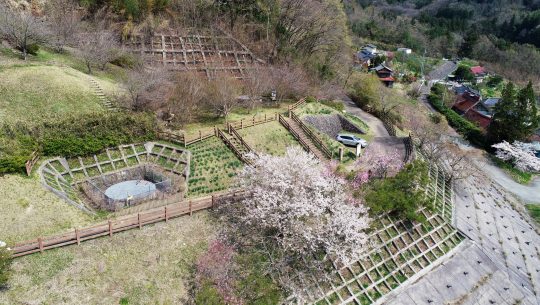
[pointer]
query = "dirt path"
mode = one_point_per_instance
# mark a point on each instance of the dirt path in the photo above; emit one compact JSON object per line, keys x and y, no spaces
{"x":374,"y":123}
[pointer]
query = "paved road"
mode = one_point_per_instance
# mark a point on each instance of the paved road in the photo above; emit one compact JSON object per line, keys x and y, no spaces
{"x":374,"y":123}
{"x":439,"y":73}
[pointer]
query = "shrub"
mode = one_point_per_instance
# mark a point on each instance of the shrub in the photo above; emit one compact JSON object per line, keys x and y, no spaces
{"x":90,"y":134}
{"x":13,"y":164}
{"x":401,"y":195}
{"x":126,"y":60}
{"x":74,"y":136}
{"x":333,"y":104}
{"x":5,"y":266}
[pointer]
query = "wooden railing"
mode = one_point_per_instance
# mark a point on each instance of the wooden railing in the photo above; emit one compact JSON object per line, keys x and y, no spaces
{"x":297,"y":104}
{"x":123,"y":223}
{"x":239,"y":137}
{"x":184,"y":140}
{"x":316,"y":140}
{"x":34,"y":157}
{"x":294,"y":133}
{"x":235,"y":150}
{"x":244,"y":123}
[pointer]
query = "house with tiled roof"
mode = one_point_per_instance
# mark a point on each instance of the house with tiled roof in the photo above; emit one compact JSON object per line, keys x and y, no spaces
{"x":385,"y":74}
{"x":479,"y":73}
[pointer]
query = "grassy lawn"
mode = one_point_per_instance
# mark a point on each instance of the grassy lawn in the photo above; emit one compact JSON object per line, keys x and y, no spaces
{"x":208,"y":121}
{"x":213,"y":167}
{"x":148,"y":266}
{"x":270,"y":138}
{"x":30,"y":211}
{"x":516,"y":174}
{"x":35,"y":93}
{"x":534,"y":211}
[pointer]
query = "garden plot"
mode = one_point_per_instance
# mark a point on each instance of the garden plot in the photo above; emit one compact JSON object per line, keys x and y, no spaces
{"x":62,"y":176}
{"x":147,"y":266}
{"x":269,"y":138}
{"x":213,"y":167}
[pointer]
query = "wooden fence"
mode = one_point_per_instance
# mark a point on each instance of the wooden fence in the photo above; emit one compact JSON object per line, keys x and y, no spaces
{"x":244,"y":123}
{"x":235,"y":150}
{"x":34,"y":157}
{"x":124,"y":223}
{"x":297,"y":104}
{"x":184,"y":140}
{"x":239,"y":137}
{"x":316,"y":140}
{"x":294,"y":133}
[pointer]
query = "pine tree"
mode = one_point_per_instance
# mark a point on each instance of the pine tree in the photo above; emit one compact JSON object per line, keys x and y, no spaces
{"x":470,"y":40}
{"x":516,"y":116}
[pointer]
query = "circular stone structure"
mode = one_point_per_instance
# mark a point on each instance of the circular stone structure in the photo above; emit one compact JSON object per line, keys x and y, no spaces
{"x":130,"y":188}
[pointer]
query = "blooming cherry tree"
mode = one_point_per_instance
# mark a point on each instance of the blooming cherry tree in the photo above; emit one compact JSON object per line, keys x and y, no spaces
{"x":305,"y":209}
{"x":520,"y":154}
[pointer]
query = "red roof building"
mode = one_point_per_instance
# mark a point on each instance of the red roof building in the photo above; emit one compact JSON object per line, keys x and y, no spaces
{"x":465,"y":101}
{"x":478,"y":70}
{"x":476,"y":116}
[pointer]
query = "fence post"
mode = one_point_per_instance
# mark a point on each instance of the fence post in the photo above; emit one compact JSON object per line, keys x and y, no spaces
{"x":40,"y":243}
{"x":166,"y":215}
{"x":139,"y":220}
{"x":213,"y":201}
{"x":241,"y":123}
{"x":77,"y":236}
{"x":110,"y":228}
{"x":341,"y":154}
{"x":229,"y":127}
{"x":265,"y":117}
{"x":215,"y":131}
{"x":190,"y":209}
{"x":200,"y":135}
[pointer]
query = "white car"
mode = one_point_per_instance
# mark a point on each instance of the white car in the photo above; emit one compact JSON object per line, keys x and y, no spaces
{"x":351,"y":140}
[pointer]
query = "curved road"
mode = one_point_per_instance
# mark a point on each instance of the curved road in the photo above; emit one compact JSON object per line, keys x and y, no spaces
{"x":374,"y":123}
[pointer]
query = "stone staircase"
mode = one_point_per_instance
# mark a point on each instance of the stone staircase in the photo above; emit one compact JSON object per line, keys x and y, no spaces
{"x":101,"y":95}
{"x":301,"y":136}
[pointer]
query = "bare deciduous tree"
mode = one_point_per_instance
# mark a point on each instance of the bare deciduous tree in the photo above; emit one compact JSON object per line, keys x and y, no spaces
{"x":65,"y":19}
{"x":97,"y":47}
{"x":187,"y":98}
{"x":22,"y":29}
{"x":143,"y":88}
{"x":222,"y":95}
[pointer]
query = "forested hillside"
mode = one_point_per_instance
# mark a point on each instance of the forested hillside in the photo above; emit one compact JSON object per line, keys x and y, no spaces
{"x":504,"y":34}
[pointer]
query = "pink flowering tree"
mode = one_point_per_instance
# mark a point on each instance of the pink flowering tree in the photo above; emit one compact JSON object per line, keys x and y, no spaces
{"x":376,"y":163}
{"x":520,"y":154}
{"x":217,"y":267}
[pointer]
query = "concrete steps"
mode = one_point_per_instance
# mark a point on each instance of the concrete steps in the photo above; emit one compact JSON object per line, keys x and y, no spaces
{"x":98,"y":91}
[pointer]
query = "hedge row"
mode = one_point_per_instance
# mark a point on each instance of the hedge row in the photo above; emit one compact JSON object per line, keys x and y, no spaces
{"x":469,"y":130}
{"x":72,"y":137}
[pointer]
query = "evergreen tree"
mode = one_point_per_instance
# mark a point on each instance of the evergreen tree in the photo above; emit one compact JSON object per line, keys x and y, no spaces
{"x":470,"y":40}
{"x":515,"y":117}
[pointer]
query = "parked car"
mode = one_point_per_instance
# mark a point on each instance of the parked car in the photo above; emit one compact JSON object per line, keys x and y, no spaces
{"x":351,"y":140}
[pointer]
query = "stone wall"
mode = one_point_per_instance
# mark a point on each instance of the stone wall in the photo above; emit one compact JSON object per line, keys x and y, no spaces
{"x":332,"y":124}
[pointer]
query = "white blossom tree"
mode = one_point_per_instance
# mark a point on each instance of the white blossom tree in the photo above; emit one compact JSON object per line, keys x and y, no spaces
{"x":300,"y":213}
{"x":520,"y":154}
{"x":308,"y":209}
